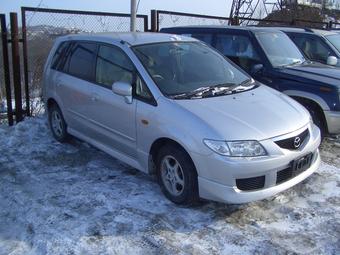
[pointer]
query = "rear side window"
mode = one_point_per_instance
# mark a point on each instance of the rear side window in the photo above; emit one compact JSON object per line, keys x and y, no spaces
{"x":56,"y":62}
{"x":81,"y":59}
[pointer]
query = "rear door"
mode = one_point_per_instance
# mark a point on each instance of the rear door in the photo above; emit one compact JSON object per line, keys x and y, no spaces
{"x":74,"y":84}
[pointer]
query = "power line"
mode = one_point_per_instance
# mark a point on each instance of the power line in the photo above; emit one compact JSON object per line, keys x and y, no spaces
{"x":38,"y":6}
{"x":137,"y":6}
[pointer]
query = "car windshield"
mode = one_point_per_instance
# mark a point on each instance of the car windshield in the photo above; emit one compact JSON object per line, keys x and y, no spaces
{"x":187,"y":67}
{"x":280,"y":50}
{"x":335,"y":40}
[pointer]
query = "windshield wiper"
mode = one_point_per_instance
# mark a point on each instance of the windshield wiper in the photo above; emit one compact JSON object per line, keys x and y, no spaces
{"x":191,"y":94}
{"x":298,"y":62}
{"x":219,"y":89}
{"x":245,"y":85}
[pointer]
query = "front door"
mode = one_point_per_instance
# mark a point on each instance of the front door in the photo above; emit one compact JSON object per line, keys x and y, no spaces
{"x":114,"y":118}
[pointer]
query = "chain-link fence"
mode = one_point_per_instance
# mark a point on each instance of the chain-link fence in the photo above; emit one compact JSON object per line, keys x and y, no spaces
{"x":161,"y":19}
{"x":260,"y":22}
{"x":172,"y":19}
{"x":41,"y":27}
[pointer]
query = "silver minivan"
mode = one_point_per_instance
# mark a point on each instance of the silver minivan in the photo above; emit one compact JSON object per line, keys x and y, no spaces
{"x":174,"y":107}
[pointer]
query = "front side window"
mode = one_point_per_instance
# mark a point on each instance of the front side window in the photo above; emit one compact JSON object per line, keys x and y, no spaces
{"x":81,"y":59}
{"x":279,"y":49}
{"x":239,"y":49}
{"x":235,"y":46}
{"x":113,"y":65}
{"x":334,"y":40}
{"x":313,"y":47}
{"x":182,"y":67}
{"x":207,"y":38}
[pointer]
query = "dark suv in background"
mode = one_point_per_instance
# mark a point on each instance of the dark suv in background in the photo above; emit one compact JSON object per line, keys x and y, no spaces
{"x":273,"y":59}
{"x":317,"y":45}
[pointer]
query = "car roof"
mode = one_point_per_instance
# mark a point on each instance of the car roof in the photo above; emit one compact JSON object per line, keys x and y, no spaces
{"x":324,"y":32}
{"x":295,"y":29}
{"x":132,"y":38}
{"x":308,"y":31}
{"x":245,"y":28}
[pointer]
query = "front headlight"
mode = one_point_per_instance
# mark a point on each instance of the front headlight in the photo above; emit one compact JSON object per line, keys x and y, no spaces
{"x":236,"y":148}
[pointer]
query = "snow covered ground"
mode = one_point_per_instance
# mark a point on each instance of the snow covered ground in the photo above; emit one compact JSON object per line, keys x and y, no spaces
{"x":73,"y":199}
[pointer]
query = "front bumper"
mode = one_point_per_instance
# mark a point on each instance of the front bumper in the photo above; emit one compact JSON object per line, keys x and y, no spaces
{"x":333,"y":121}
{"x":218,"y":175}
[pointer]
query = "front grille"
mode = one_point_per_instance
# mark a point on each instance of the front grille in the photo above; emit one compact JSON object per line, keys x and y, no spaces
{"x":289,"y":173}
{"x":291,"y":144}
{"x":284,"y":175}
{"x":250,"y":183}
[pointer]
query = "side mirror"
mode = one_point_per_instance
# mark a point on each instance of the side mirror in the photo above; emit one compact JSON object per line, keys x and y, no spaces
{"x":256,"y":69}
{"x":332,"y":61}
{"x":123,"y":89}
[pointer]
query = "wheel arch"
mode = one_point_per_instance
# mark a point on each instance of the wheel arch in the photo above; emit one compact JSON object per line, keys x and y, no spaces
{"x":157,"y":144}
{"x":308,"y":102}
{"x":319,"y":101}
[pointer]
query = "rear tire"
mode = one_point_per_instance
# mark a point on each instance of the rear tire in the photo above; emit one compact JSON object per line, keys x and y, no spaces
{"x":177,"y":175}
{"x":57,"y":124}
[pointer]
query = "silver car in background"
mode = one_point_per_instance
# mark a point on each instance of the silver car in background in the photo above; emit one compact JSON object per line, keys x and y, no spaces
{"x":172,"y":106}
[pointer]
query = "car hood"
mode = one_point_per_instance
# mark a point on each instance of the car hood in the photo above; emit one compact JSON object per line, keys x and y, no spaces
{"x":256,"y":114}
{"x":315,"y":71}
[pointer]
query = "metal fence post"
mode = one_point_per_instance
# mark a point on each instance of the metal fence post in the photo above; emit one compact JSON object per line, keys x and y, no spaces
{"x":16,"y":66}
{"x":236,"y":21}
{"x":330,"y":25}
{"x":154,"y":21}
{"x":146,"y":24}
{"x":24,"y":49}
{"x":6,"y":68}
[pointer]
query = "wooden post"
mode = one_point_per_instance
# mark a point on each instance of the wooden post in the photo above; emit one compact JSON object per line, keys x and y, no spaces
{"x":16,"y":66}
{"x":6,"y":68}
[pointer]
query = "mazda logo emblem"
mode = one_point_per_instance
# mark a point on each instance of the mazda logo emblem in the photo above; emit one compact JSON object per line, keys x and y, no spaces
{"x":297,"y":142}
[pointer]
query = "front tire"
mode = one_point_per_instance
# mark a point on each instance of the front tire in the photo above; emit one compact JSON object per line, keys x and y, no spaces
{"x":177,"y":175}
{"x":57,"y":124}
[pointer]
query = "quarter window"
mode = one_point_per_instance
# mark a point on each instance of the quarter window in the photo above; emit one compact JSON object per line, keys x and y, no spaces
{"x":59,"y":55}
{"x":113,"y":65}
{"x":142,"y":90}
{"x":82,"y":56}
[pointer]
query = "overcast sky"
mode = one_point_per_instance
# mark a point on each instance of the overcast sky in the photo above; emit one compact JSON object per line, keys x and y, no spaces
{"x":209,"y":7}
